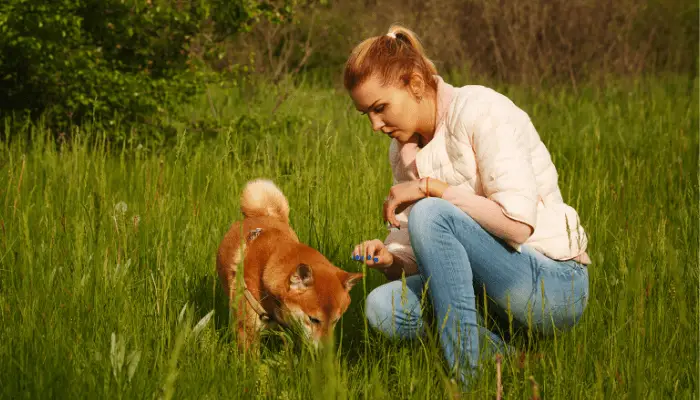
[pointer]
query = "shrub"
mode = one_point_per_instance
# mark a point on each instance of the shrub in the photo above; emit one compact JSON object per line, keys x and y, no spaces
{"x":71,"y":59}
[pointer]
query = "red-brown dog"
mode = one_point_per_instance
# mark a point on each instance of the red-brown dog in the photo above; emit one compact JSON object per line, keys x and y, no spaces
{"x":285,"y":280}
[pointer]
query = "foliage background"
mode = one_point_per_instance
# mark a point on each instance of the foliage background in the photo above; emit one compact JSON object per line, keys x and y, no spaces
{"x":136,"y":61}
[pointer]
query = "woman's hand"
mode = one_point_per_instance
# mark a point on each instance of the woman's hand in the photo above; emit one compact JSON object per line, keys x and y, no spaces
{"x":373,"y":253}
{"x":401,"y":196}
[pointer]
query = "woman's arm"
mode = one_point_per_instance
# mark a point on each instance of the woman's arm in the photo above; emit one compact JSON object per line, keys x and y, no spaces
{"x":499,"y":135}
{"x":485,"y":212}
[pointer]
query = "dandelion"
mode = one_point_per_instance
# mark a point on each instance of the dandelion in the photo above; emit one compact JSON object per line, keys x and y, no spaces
{"x":120,"y":208}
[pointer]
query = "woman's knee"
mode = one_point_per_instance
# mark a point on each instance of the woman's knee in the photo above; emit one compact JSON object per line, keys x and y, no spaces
{"x":433,"y":214}
{"x":427,"y":211}
{"x":378,"y":306}
{"x":393,"y":310}
{"x":428,"y":217}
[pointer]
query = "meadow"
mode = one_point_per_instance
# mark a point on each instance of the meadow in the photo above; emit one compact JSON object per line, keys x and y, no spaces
{"x":108,"y":286}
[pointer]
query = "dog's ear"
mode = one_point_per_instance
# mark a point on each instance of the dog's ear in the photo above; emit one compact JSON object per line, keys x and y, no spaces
{"x":350,"y":279}
{"x":302,"y":278}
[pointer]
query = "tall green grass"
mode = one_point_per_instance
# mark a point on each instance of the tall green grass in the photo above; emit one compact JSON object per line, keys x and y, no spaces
{"x":107,"y":271}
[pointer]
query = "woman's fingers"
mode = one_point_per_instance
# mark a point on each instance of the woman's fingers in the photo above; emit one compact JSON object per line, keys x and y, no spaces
{"x":390,"y":214}
{"x":385,"y":206}
{"x":383,"y":257}
{"x":367,"y":251}
{"x":357,"y":252}
{"x":390,"y":211}
{"x":373,"y":247}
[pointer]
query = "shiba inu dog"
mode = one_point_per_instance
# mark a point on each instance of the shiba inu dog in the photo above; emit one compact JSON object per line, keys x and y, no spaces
{"x":285,"y":281}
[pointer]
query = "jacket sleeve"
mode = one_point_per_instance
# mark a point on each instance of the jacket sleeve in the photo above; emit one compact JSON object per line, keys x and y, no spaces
{"x":498,"y":132}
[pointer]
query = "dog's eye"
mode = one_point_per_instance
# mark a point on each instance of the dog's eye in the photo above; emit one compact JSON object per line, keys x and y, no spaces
{"x":314,"y":320}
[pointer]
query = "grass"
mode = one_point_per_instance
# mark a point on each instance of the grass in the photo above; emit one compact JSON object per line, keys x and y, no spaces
{"x":107,"y":272}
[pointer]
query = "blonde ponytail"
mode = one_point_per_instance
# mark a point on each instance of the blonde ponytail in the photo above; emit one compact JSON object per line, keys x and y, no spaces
{"x":409,"y":37}
{"x":393,"y":58}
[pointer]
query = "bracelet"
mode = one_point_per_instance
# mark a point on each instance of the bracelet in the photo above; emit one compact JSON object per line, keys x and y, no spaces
{"x":426,"y":192}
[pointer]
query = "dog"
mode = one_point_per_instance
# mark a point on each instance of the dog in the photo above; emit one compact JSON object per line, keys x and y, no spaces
{"x":285,"y":282}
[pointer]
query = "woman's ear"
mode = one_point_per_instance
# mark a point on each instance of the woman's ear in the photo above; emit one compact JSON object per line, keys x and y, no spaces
{"x":417,"y":86}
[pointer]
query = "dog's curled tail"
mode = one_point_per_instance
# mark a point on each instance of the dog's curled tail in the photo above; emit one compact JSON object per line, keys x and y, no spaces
{"x":262,"y":198}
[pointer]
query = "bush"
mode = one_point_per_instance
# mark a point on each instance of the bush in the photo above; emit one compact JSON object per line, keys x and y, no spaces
{"x":73,"y":59}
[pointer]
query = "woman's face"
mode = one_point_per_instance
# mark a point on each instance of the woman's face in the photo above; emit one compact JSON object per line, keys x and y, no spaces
{"x":391,"y":109}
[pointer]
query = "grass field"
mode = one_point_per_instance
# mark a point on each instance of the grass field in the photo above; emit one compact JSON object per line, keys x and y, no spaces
{"x":107,"y":254}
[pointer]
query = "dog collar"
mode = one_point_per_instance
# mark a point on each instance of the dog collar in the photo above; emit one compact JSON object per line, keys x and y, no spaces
{"x":257,"y":307}
{"x":254,"y":303}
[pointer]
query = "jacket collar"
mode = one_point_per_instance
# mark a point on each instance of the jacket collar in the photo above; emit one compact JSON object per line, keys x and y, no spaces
{"x":445,"y":94}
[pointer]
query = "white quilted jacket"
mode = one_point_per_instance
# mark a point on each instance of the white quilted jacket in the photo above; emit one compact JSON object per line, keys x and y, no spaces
{"x":484,"y":144}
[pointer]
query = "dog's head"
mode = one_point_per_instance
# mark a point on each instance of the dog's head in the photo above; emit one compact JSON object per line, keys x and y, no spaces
{"x":316,"y":298}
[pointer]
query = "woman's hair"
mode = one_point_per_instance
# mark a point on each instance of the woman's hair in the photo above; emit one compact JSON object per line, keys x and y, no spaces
{"x":392,"y":58}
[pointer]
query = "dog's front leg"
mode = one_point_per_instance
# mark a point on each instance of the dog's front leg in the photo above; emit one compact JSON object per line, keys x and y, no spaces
{"x":249,"y":327}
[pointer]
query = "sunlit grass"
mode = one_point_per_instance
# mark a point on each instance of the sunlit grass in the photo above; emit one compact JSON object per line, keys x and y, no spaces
{"x":107,"y":257}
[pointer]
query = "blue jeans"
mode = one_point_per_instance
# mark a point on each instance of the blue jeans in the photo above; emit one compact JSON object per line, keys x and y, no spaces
{"x":457,"y":258}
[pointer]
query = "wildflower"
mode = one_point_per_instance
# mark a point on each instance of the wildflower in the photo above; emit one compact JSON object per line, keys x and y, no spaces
{"x":120,"y":208}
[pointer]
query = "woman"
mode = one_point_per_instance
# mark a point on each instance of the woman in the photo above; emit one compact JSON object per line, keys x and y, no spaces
{"x":475,"y":206}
